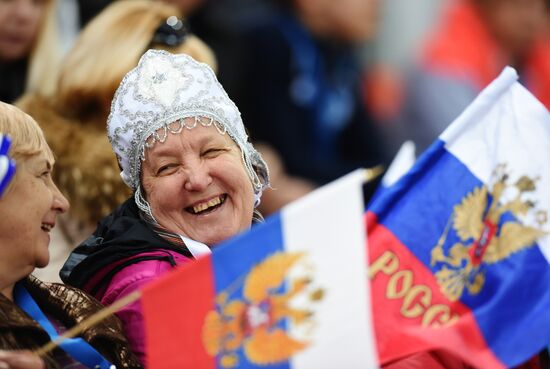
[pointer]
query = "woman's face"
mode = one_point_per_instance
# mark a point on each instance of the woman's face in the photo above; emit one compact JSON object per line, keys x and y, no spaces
{"x":197,"y":186}
{"x":515,"y":23}
{"x":28,"y":210}
{"x":353,"y":20}
{"x":19,"y":24}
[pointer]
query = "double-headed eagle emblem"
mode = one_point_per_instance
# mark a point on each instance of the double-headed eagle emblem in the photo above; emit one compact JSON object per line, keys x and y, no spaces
{"x":490,"y":227}
{"x":256,"y":323}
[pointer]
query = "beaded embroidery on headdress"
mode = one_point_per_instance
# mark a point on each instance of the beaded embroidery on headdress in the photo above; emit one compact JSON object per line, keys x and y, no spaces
{"x":164,"y":94}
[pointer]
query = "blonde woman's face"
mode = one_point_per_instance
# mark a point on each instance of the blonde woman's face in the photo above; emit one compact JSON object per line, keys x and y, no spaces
{"x":29,"y":210}
{"x":19,"y":24}
{"x":197,"y":186}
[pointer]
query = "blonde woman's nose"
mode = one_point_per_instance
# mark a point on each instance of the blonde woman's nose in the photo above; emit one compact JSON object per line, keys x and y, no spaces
{"x":60,"y":202}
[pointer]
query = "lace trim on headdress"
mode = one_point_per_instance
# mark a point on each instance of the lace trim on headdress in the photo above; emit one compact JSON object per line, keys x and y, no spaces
{"x":177,"y":126}
{"x":144,"y":207}
{"x":160,"y":93}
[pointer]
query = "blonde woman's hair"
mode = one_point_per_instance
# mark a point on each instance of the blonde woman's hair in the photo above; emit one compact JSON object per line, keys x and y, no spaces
{"x":45,"y":55}
{"x":110,"y":46}
{"x":27,"y":139}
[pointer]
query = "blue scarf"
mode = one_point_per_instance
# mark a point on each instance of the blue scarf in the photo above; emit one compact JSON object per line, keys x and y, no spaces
{"x":77,"y":348}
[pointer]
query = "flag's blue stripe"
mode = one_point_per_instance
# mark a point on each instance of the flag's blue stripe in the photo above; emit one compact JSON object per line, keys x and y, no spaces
{"x":517,"y":308}
{"x":424,"y":200}
{"x":233,"y":260}
{"x":232,"y":263}
{"x":417,"y":209}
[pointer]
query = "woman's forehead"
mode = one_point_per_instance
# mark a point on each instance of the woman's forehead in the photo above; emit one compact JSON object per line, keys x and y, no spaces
{"x":195,"y":137}
{"x":43,"y":158}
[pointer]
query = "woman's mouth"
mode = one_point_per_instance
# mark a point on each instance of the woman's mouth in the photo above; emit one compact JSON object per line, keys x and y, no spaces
{"x":207,"y":206}
{"x":46,"y":227}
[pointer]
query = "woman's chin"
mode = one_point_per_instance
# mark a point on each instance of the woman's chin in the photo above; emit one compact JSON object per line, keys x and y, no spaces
{"x":42,"y":262}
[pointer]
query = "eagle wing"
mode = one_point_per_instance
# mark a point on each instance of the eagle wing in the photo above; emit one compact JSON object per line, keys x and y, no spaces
{"x":267,"y":275}
{"x":513,"y":237}
{"x":221,"y":332}
{"x":212,"y":333}
{"x":268,"y":347}
{"x":468,"y":215}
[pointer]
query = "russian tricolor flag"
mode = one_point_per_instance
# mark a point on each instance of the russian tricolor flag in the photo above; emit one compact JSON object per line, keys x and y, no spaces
{"x":291,"y":293}
{"x":459,"y":247}
{"x":458,"y":259}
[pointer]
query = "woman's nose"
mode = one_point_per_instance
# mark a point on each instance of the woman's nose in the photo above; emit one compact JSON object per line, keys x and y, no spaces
{"x":60,"y":202}
{"x":25,"y":10}
{"x":197,"y":177}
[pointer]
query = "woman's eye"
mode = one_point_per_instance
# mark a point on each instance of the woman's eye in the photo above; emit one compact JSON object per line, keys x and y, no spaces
{"x":166,"y":169}
{"x":213,"y":152}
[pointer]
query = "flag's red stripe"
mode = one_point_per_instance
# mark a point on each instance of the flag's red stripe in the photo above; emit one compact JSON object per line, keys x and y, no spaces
{"x":405,"y":294}
{"x":174,"y":308}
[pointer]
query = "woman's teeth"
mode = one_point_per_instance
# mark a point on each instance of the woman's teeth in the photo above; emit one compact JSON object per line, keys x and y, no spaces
{"x":207,"y":205}
{"x":46,"y":227}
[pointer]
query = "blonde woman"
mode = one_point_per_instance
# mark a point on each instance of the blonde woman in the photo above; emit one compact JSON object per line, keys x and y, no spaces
{"x":74,"y":120}
{"x":33,"y":312}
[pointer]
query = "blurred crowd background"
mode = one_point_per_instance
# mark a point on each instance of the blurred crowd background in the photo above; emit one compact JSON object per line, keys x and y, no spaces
{"x":323,"y":86}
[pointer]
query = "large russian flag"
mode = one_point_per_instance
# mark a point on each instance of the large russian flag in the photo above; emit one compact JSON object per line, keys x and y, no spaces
{"x":291,"y":293}
{"x":459,"y":247}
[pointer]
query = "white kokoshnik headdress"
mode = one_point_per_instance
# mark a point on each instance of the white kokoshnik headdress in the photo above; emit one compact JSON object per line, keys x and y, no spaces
{"x":160,"y":96}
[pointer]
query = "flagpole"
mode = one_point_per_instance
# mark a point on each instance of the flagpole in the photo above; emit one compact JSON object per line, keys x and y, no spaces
{"x":373,"y":173}
{"x":89,"y":322}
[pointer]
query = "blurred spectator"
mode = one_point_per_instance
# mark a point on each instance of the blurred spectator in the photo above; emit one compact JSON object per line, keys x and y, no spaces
{"x":471,"y":46}
{"x":74,"y":119}
{"x":403,"y":27}
{"x":214,"y":21}
{"x":219,"y":23}
{"x":185,"y":6}
{"x":300,"y":91}
{"x":88,"y":9}
{"x":28,"y":47}
{"x":73,"y":15}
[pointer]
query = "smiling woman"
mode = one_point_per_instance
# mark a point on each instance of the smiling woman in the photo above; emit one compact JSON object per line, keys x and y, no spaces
{"x":33,"y":312}
{"x":218,"y":200}
{"x":196,"y":178}
{"x":27,"y":227}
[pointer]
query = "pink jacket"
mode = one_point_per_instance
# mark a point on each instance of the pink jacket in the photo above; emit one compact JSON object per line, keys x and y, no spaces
{"x":132,"y":278}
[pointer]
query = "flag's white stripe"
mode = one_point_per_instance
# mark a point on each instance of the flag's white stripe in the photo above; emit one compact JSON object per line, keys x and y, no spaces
{"x":506,"y":124}
{"x":401,"y":163}
{"x":4,"y":163}
{"x":328,"y":224}
{"x":484,"y":102}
